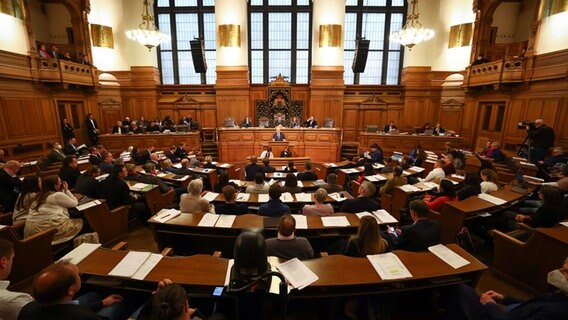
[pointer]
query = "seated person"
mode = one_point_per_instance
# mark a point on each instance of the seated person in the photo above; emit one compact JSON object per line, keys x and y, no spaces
{"x":417,"y":155}
{"x":489,"y":183}
{"x":557,"y":157}
{"x":168,"y":166}
{"x":278,"y":136}
{"x":471,"y":186}
{"x":291,"y":184}
{"x":307,"y":175}
{"x":95,"y":158}
{"x":11,"y":302}
{"x":252,"y":169}
{"x":107,"y":163}
{"x":230,"y":206}
{"x":319,"y":208}
{"x":180,"y":151}
{"x":70,"y":148}
{"x":170,"y":301}
{"x":115,"y":190}
{"x":496,"y":154}
{"x":548,"y":215}
{"x":259,"y":185}
{"x":290,"y":167}
{"x":267,"y":153}
{"x":396,"y":180}
{"x":150,"y":177}
{"x":55,"y":154}
{"x":53,"y":292}
{"x":119,"y":128}
{"x":375,"y":154}
{"x":438,"y":130}
{"x":31,"y":185}
{"x":69,"y":171}
{"x":368,"y":171}
{"x":192,"y":202}
{"x":465,"y":303}
{"x":246,"y":123}
{"x":446,"y":192}
{"x":287,"y":245}
{"x":436,"y":174}
{"x":135,"y":128}
{"x":421,"y":234}
{"x":185,"y":168}
{"x":364,"y":200}
{"x":390,"y":163}
{"x":171,"y":155}
{"x":331,"y":185}
{"x":153,"y":127}
{"x":279,"y":122}
{"x":87,"y":183}
{"x":50,"y":210}
{"x":294,"y":122}
{"x":449,"y":167}
{"x":390,"y":127}
{"x":224,"y":180}
{"x":286,"y":153}
{"x":486,"y":149}
{"x":368,"y":240}
{"x":274,"y":207}
{"x":267,"y":168}
{"x":311,"y":122}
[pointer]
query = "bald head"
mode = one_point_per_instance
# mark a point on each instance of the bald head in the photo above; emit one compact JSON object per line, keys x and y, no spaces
{"x":57,"y":283}
{"x":287,"y":225}
{"x":253,"y":159}
{"x":185,"y":163}
{"x":12,"y":165}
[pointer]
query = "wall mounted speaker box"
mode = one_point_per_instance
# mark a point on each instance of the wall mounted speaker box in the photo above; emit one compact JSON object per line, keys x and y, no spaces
{"x":360,"y":58}
{"x":198,"y":56}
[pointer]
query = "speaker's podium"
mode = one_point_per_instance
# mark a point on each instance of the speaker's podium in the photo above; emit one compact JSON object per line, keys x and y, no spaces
{"x":278,"y":146}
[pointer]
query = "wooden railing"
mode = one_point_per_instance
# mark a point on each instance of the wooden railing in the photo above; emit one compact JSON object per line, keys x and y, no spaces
{"x":507,"y":70}
{"x":67,"y":72}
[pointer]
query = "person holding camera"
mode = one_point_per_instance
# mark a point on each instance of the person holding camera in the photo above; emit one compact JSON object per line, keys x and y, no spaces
{"x":542,"y":137}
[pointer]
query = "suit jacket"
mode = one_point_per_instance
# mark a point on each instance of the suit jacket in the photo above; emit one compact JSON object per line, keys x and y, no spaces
{"x":285,"y":154}
{"x":231,"y":208}
{"x":91,"y":127}
{"x":180,"y":152}
{"x":67,"y":131}
{"x":137,"y":130}
{"x":123,"y":129}
{"x":70,"y":149}
{"x":55,"y":156}
{"x":549,"y":306}
{"x":34,"y":310}
{"x":69,"y":175}
{"x":273,"y":208}
{"x":150,"y":179}
{"x":95,"y":160}
{"x":307,"y":176}
{"x":359,"y":204}
{"x":88,"y":186}
{"x":310,"y":123}
{"x":172,"y":156}
{"x":419,"y":236}
{"x":388,"y":128}
{"x":184,"y":171}
{"x":437,"y":131}
{"x":9,"y":190}
{"x":251,"y":170}
{"x":116,"y":192}
{"x":278,"y":136}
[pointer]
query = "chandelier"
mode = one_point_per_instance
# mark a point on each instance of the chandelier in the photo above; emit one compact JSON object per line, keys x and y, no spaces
{"x":147,"y":34}
{"x":412,"y":33}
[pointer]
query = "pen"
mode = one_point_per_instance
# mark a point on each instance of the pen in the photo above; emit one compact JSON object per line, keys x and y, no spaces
{"x":167,"y":215}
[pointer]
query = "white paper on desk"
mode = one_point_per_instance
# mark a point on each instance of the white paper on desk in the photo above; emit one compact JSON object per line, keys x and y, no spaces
{"x":235,"y":181}
{"x":138,"y":186}
{"x":80,"y":253}
{"x":492,"y":199}
{"x":177,"y":165}
{"x":210,"y":196}
{"x":225,"y":221}
{"x":520,"y":159}
{"x":224,"y":165}
{"x":83,"y":161}
{"x":263,"y":198}
{"x":275,"y":283}
{"x":376,"y":177}
{"x":147,"y":266}
{"x":389,"y":266}
{"x":183,"y":178}
{"x":417,"y":169}
{"x":271,"y":182}
{"x":527,"y":164}
{"x":301,"y":221}
{"x":166,"y":215}
{"x":384,"y":217}
{"x":208,"y":220}
{"x":378,"y":166}
{"x":243,"y":197}
{"x":88,"y":205}
{"x":407,"y":173}
{"x":300,"y":184}
{"x":430,"y":160}
{"x":286,"y":197}
{"x":161,"y":174}
{"x":339,"y":221}
{"x":565,"y":223}
{"x":533,"y":178}
{"x":365,"y":213}
{"x":228,"y":274}
{"x":409,"y":188}
{"x":337,"y":197}
{"x":2,"y":226}
{"x":303,"y":197}
{"x":297,"y":273}
{"x":430,"y":185}
{"x":102,"y":177}
{"x":448,"y":256}
{"x":457,"y":176}
{"x":453,"y":182}
{"x":128,"y":266}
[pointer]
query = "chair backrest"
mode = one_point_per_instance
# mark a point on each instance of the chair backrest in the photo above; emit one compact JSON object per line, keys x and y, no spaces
{"x":372,"y":128}
{"x":328,"y":123}
{"x":263,"y":122}
{"x":229,"y":122}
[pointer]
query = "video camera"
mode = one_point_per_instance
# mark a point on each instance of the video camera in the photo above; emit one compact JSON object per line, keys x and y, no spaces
{"x":524,"y":124}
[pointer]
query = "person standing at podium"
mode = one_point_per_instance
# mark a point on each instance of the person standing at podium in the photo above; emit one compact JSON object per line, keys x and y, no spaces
{"x":278,"y":136}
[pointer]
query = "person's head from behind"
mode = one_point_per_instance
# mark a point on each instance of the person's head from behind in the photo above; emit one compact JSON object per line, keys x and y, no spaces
{"x":488,"y":175}
{"x":6,"y":258}
{"x":195,"y":186}
{"x":418,"y":210}
{"x":550,"y":195}
{"x":287,"y":225}
{"x":119,"y":171}
{"x":367,"y":189}
{"x":31,"y":184}
{"x":308,"y":166}
{"x":253,"y":159}
{"x":370,"y":235}
{"x":266,"y":162}
{"x":471,"y":179}
{"x":57,"y":283}
{"x":223,"y":178}
{"x":149,"y":168}
{"x":259,"y":178}
{"x":70,"y":161}
{"x":397,"y":171}
{"x":274,"y":192}
{"x":170,"y":303}
{"x":320,"y":195}
{"x":332,"y":178}
{"x":167,"y":163}
{"x":291,"y":165}
{"x":447,"y":188}
{"x":290,"y":180}
{"x":229,"y":193}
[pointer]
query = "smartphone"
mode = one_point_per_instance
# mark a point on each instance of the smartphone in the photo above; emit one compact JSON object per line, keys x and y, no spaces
{"x":341,"y":195}
{"x":218,"y":291}
{"x":393,"y":232}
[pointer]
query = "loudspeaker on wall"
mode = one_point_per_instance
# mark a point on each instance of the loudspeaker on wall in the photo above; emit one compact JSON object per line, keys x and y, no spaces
{"x":360,"y":58}
{"x":198,"y":56}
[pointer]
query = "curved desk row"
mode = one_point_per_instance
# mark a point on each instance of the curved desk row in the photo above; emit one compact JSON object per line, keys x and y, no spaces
{"x":405,"y":142}
{"x":161,"y":141}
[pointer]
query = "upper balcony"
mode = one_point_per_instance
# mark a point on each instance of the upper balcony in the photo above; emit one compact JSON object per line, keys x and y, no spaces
{"x":509,"y":70}
{"x":65,"y":72}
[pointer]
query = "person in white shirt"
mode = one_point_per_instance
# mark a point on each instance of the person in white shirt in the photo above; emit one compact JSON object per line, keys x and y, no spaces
{"x":259,"y":185}
{"x":319,"y":208}
{"x":10,"y":302}
{"x":267,"y":153}
{"x":436,"y":174}
{"x":489,"y":182}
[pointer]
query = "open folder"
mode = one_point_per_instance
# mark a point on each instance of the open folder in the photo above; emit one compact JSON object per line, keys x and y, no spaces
{"x":136,"y":265}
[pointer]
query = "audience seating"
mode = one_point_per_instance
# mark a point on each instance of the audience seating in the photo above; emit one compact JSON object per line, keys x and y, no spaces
{"x":111,"y":225}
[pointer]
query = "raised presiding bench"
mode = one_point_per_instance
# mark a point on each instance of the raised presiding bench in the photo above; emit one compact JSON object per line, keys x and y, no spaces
{"x":160,"y":141}
{"x":338,"y":275}
{"x":405,"y":142}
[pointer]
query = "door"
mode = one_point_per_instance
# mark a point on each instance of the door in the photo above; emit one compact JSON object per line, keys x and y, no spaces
{"x":491,"y":123}
{"x":74,"y":112}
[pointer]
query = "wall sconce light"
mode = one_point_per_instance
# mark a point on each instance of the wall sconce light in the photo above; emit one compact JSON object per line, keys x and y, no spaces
{"x":330,"y":35}
{"x":230,"y":35}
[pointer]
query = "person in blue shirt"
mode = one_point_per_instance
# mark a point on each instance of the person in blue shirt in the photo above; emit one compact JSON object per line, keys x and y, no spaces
{"x":274,"y":207}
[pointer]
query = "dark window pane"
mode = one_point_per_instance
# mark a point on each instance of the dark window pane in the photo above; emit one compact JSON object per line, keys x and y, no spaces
{"x":486,"y":118}
{"x":500,"y":117}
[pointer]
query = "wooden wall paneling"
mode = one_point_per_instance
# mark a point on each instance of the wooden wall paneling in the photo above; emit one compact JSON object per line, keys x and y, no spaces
{"x":469,"y":122}
{"x":561,"y":126}
{"x":109,"y":116}
{"x":3,"y":126}
{"x":450,"y":119}
{"x":209,"y":117}
{"x":515,"y":113}
{"x":49,"y":123}
{"x":15,"y":119}
{"x":350,"y":123}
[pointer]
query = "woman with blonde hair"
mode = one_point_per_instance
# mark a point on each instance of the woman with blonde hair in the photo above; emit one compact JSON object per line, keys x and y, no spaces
{"x":489,"y":182}
{"x":368,"y":239}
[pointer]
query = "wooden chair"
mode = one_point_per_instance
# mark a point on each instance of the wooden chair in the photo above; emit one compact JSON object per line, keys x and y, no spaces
{"x":451,"y":222}
{"x":6,"y":219}
{"x":31,"y":254}
{"x":213,"y":179}
{"x":111,"y":225}
{"x":341,"y":178}
{"x":164,"y":200}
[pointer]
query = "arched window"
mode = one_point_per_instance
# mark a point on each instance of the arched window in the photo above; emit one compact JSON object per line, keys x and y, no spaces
{"x":280,"y":40}
{"x":185,"y":20}
{"x":374,"y":20}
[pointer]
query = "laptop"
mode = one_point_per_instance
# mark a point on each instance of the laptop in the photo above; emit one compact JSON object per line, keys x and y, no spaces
{"x":428,"y":132}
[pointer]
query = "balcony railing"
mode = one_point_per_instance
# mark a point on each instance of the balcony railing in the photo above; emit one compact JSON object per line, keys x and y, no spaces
{"x":67,"y":72}
{"x":505,"y":71}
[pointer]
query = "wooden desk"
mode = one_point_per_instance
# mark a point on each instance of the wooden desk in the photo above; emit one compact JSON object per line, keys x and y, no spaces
{"x":253,"y":199}
{"x":321,"y":145}
{"x":161,"y":141}
{"x":338,"y":275}
{"x":405,"y":143}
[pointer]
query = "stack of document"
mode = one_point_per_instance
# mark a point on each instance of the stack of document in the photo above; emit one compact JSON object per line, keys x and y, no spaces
{"x":457,"y":176}
{"x":263,"y":198}
{"x":350,"y":171}
{"x":136,"y":265}
{"x":177,"y":165}
{"x":80,"y":253}
{"x":215,"y":220}
{"x":448,"y":256}
{"x":139,"y":186}
{"x":337,"y":221}
{"x":300,"y":184}
{"x":417,"y":169}
{"x":407,"y":173}
{"x":166,"y":215}
{"x":564,"y":223}
{"x":243,"y":197}
{"x":409,"y":188}
{"x":102,"y":177}
{"x":235,"y":181}
{"x":378,"y":166}
{"x":492,"y":199}
{"x":389,"y":266}
{"x":303,"y":197}
{"x":376,"y":177}
{"x":297,"y":273}
{"x":382,"y":216}
{"x":224,"y":165}
{"x":183,"y":178}
{"x":88,"y":205}
{"x":336,"y":196}
{"x":286,"y":197}
{"x":301,"y":221}
{"x":210,"y":196}
{"x":527,"y":164}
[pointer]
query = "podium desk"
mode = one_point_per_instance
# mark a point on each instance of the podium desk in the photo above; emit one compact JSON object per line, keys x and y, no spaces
{"x":160,"y":141}
{"x":339,"y":276}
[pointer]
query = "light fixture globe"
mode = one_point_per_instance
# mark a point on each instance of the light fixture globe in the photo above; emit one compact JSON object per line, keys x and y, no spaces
{"x":412,"y":33}
{"x":147,"y":34}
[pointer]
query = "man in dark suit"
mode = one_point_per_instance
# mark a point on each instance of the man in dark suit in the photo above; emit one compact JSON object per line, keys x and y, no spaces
{"x":115,"y":190}
{"x":307,"y":175}
{"x":274,"y":207}
{"x":389,"y":127}
{"x":10,"y":185}
{"x":184,"y":170}
{"x":56,"y":154}
{"x":69,"y":172}
{"x":87,"y":184}
{"x":230,"y":206}
{"x":278,"y":136}
{"x":92,"y":129}
{"x":267,"y":168}
{"x":119,"y":128}
{"x":180,"y":151}
{"x":465,"y":303}
{"x":252,"y":168}
{"x":95,"y":158}
{"x":311,"y":122}
{"x":246,"y":123}
{"x":54,"y":290}
{"x":438,"y":130}
{"x":150,"y":176}
{"x":420,"y":235}
{"x":364,"y":201}
{"x":171,"y":154}
{"x":286,"y":153}
{"x":70,"y":148}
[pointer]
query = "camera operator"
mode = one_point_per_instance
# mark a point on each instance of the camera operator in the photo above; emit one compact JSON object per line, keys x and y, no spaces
{"x":542,"y":137}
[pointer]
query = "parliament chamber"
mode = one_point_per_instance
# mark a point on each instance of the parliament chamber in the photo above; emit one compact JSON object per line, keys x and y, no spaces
{"x":284,"y":83}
